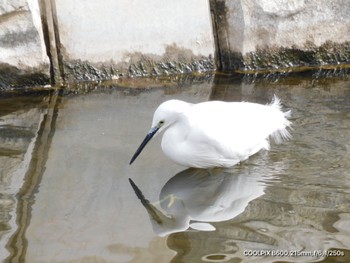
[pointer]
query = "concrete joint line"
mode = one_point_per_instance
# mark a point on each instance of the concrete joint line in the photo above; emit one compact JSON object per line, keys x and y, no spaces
{"x":52,"y":40}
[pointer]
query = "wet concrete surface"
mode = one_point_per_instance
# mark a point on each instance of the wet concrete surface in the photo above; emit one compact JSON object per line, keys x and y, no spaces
{"x":66,"y":196}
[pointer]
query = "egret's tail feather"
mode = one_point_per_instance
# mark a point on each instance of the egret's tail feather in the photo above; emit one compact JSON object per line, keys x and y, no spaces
{"x":276,"y":102}
{"x":282,"y":134}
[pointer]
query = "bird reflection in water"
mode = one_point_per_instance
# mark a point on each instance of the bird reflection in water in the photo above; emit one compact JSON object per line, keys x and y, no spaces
{"x":194,"y":198}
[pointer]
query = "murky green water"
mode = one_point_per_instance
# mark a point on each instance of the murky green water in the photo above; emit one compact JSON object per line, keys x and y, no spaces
{"x":65,"y":194}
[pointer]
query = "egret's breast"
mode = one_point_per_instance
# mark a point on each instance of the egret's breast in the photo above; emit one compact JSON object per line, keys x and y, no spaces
{"x":173,"y":143}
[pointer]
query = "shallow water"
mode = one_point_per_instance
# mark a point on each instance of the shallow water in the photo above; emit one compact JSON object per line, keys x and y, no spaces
{"x":65,"y":194}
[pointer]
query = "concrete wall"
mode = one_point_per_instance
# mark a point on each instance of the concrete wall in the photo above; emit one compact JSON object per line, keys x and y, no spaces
{"x":93,"y":40}
{"x":90,"y":40}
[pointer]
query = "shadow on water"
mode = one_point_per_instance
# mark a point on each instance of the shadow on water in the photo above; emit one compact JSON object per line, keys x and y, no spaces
{"x":202,"y":212}
{"x":194,"y":198}
{"x":65,"y":194}
{"x":34,"y":161}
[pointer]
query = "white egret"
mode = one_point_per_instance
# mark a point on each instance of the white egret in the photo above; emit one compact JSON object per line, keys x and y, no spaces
{"x":216,"y":133}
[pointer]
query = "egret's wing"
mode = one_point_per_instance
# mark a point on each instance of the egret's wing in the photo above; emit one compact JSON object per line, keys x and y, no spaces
{"x":204,"y":150}
{"x":236,"y":130}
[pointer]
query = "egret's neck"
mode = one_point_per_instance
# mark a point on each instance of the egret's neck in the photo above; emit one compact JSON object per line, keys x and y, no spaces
{"x":173,"y":140}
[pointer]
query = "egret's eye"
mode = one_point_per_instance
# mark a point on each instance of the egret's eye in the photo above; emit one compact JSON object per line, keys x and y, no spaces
{"x":161,"y":122}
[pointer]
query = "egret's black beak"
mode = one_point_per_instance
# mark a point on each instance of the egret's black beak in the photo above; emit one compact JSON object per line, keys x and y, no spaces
{"x":148,"y":137}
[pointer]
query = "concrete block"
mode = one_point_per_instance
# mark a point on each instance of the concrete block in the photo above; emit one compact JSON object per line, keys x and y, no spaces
{"x":135,"y":38}
{"x":259,"y":34}
{"x":22,"y":47}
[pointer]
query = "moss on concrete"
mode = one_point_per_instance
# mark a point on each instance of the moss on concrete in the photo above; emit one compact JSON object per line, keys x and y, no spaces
{"x":12,"y":77}
{"x":281,"y":58}
{"x":145,"y":67}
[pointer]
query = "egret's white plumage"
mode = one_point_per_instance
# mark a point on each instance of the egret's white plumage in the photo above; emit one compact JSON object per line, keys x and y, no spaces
{"x":216,"y":133}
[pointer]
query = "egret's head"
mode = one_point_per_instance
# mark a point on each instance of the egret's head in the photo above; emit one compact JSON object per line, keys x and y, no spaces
{"x":168,"y":113}
{"x":165,"y":115}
